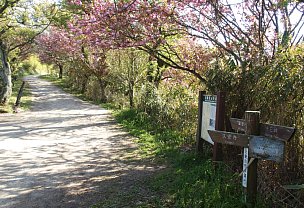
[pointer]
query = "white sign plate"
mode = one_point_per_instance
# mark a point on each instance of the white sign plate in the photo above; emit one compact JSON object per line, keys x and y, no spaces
{"x":245,"y":168}
{"x":208,"y":117}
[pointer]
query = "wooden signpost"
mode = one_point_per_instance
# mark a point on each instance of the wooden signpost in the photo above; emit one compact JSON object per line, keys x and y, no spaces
{"x":260,"y":141}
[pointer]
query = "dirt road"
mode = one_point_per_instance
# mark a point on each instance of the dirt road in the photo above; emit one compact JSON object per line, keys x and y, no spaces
{"x":67,"y":153}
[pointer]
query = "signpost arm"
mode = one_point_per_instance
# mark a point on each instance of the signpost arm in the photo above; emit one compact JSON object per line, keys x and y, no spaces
{"x":252,"y":119}
{"x":199,"y":140}
{"x":219,"y":124}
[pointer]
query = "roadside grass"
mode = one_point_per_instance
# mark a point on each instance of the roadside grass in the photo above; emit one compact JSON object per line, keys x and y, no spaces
{"x":151,"y":141}
{"x":188,"y":181}
{"x":25,"y":99}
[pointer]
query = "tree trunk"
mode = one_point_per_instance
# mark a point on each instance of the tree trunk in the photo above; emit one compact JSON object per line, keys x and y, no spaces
{"x":154,"y":72}
{"x":84,"y":85}
{"x":60,"y":71}
{"x":131,"y":93}
{"x":6,"y":77}
{"x":102,"y":85}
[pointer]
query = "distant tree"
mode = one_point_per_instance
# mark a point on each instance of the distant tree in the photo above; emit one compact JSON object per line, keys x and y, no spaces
{"x":127,"y":70}
{"x":56,"y":47}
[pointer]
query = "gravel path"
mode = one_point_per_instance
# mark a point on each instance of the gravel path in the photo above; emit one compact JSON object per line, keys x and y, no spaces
{"x":67,"y":153}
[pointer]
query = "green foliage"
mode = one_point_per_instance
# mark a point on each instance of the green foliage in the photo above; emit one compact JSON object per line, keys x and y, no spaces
{"x":127,"y":70}
{"x":141,"y":126}
{"x":283,"y":81}
{"x":277,"y":90}
{"x":169,"y":107}
{"x":32,"y":65}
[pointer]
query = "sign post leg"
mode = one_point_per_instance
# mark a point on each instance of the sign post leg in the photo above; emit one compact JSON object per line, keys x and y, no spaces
{"x":199,"y":140}
{"x":252,"y":119}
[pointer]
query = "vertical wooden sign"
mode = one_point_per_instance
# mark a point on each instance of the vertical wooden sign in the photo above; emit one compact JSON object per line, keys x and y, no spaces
{"x":245,"y":169}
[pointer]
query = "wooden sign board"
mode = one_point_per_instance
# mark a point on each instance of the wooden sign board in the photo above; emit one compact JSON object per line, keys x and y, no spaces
{"x":208,"y":116}
{"x":283,"y":133}
{"x":277,"y":132}
{"x":224,"y":137}
{"x":266,"y":148}
{"x":238,"y":124}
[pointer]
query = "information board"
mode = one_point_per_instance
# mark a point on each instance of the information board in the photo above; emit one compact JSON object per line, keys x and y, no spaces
{"x":208,"y":116}
{"x":266,"y":148}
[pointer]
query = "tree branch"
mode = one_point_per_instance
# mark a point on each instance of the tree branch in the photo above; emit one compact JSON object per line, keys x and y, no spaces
{"x":6,"y":5}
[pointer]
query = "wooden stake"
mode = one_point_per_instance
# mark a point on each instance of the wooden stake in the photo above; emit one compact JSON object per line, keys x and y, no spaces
{"x":17,"y":104}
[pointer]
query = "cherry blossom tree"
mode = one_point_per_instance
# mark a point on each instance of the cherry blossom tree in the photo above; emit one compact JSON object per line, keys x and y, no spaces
{"x":195,"y":36}
{"x":148,"y":25}
{"x":247,"y":31}
{"x":57,"y":47}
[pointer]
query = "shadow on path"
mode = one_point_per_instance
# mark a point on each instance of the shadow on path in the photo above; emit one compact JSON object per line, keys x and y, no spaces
{"x":67,"y":153}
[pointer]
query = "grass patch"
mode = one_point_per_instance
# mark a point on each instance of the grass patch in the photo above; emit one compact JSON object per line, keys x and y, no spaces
{"x":190,"y":181}
{"x":25,"y":99}
{"x":153,"y":142}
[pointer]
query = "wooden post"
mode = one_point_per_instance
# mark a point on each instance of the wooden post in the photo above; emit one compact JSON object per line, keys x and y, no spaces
{"x":199,"y":140}
{"x":17,"y":104}
{"x":252,"y":119}
{"x":219,"y":124}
